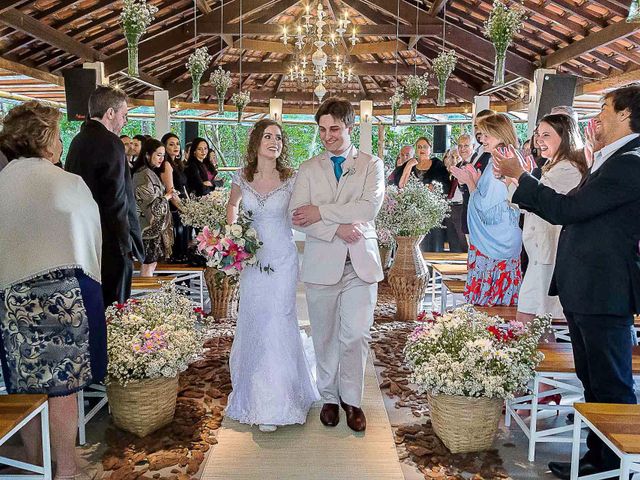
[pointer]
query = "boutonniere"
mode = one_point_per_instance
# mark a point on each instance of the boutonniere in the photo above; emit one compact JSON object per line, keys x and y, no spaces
{"x":350,"y":171}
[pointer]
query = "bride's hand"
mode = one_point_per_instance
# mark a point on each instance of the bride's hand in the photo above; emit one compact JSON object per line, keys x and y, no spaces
{"x":306,"y":215}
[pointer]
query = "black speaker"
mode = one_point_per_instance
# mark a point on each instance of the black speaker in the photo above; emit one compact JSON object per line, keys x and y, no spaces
{"x":441,"y":135}
{"x":79,"y":84}
{"x":190,"y":131}
{"x":557,"y":90}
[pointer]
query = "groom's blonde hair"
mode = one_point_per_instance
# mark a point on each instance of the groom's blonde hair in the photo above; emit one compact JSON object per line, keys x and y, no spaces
{"x":338,"y":108}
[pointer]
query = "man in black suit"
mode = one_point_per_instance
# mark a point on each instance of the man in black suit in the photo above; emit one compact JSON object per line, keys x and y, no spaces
{"x":597,"y":271}
{"x":479,"y":161}
{"x":98,"y":156}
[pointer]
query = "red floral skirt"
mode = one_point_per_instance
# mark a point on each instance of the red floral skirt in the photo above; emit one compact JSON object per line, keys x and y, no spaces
{"x":492,"y":282}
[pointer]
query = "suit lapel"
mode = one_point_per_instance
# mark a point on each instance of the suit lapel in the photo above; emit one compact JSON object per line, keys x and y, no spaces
{"x":327,"y":168}
{"x":348,"y":163}
{"x":632,"y":145}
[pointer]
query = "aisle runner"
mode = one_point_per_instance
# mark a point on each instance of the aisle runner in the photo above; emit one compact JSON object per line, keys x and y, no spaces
{"x":311,"y":451}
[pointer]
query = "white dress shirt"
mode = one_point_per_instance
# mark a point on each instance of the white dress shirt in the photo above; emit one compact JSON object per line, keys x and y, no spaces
{"x":604,"y":153}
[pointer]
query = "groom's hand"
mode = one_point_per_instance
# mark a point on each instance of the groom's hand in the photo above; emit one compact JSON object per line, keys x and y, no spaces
{"x":350,"y":233}
{"x":306,"y":215}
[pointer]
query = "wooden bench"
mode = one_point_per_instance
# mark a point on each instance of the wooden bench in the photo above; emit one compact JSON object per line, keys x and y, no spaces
{"x":445,"y":271}
{"x":183,"y":273}
{"x":558,"y":371}
{"x":444,"y":257}
{"x":508,"y":313}
{"x":618,"y":426}
{"x":456,"y":287}
{"x":142,"y":285}
{"x":15,"y":412}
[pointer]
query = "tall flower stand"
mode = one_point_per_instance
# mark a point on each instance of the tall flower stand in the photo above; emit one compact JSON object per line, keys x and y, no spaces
{"x":223,"y":294}
{"x":408,"y":278}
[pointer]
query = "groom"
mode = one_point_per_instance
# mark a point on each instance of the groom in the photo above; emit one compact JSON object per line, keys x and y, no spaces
{"x":336,"y":197}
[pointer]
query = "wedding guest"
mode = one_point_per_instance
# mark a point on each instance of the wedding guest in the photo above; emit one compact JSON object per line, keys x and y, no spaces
{"x":136,"y":146}
{"x":453,"y":224}
{"x":406,"y":153}
{"x":128,"y":149}
{"x":152,"y":199}
{"x":199,"y":168}
{"x":494,"y":274}
{"x":174,"y":178}
{"x":97,"y":155}
{"x":478,"y":160}
{"x":3,"y":161}
{"x":558,"y":138}
{"x":52,"y":322}
{"x":597,"y":274}
{"x":428,"y":170}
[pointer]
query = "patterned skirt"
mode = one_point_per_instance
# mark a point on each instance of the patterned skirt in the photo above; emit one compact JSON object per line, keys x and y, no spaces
{"x":492,"y":282}
{"x":53,"y":334}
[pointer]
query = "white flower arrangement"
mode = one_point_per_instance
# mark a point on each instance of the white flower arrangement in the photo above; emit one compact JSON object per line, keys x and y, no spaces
{"x":416,"y":86}
{"x":206,"y":211}
{"x":468,"y":353}
{"x":413,"y":210}
{"x":444,"y":64}
{"x":241,"y":99}
{"x":198,"y":62}
{"x":221,"y":81}
{"x":151,"y":337}
{"x":397,"y":99}
{"x":136,"y":17}
{"x":502,"y":25}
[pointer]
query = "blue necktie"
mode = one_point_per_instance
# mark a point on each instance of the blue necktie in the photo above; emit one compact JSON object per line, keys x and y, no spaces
{"x":337,"y":166}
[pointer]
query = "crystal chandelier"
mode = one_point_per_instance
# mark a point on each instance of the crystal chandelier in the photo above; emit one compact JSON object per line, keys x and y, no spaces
{"x":311,"y":34}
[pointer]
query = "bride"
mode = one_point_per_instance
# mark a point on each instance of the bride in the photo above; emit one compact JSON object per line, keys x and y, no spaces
{"x":272,"y":384}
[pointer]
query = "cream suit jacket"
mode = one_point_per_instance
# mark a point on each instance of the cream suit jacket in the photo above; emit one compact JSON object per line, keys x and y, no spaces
{"x":356,"y":198}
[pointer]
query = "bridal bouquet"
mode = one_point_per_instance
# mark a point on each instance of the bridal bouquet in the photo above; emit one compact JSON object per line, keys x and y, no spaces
{"x":469,"y":353}
{"x":151,"y":337}
{"x":412,"y":210}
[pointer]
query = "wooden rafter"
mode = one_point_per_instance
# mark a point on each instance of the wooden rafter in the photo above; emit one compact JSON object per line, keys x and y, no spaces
{"x":436,"y":7}
{"x":203,"y":6}
{"x":598,"y":39}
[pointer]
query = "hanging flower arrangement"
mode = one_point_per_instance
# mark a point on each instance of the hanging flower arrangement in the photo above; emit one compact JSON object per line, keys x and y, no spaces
{"x":396,"y":101}
{"x":415,"y":87}
{"x":634,"y":12}
{"x":221,"y":81}
{"x":501,"y":26}
{"x":240,"y":100}
{"x":197,"y":64}
{"x":443,"y":65}
{"x":135,"y":18}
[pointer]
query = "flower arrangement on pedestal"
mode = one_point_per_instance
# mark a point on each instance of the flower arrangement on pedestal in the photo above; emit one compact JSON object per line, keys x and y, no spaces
{"x":396,"y":101}
{"x":150,"y":340}
{"x":135,"y":18}
{"x":228,"y":249}
{"x":221,"y":81}
{"x":443,"y":65}
{"x":634,"y":12}
{"x":501,"y":26}
{"x":410,"y":213}
{"x":415,"y":87}
{"x":240,"y":100}
{"x":197,"y":65}
{"x":469,"y":362}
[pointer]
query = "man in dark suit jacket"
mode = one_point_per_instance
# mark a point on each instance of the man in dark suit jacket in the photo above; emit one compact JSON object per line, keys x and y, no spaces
{"x":597,"y":271}
{"x":479,"y":160}
{"x":98,"y":156}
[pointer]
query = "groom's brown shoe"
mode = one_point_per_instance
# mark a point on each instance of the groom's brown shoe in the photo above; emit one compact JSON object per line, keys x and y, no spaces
{"x":355,"y":417}
{"x":330,"y":414}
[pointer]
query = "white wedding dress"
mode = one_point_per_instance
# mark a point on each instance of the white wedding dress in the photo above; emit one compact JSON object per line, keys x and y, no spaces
{"x":270,"y":374}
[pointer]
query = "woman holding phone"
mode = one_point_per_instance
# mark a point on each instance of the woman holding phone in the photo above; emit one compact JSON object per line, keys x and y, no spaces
{"x":495,"y":239}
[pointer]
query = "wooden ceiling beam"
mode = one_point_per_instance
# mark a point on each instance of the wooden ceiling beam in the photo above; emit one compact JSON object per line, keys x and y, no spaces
{"x":377,"y":14}
{"x":203,"y":6}
{"x":378,"y":47}
{"x":554,"y":17}
{"x":206,"y":27}
{"x":591,"y":42}
{"x":436,"y":7}
{"x":23,"y":69}
{"x":615,"y":81}
{"x":9,"y":4}
{"x":581,"y":12}
{"x":46,"y":34}
{"x":283,"y":68}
